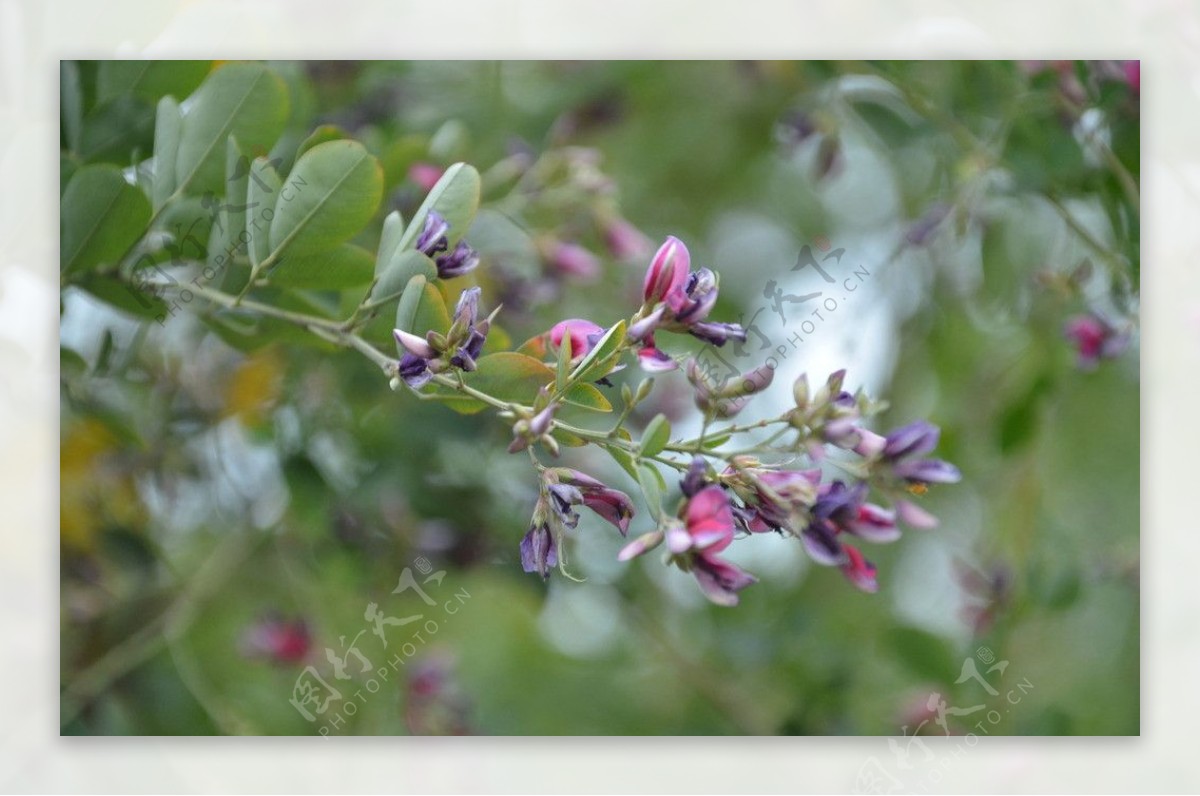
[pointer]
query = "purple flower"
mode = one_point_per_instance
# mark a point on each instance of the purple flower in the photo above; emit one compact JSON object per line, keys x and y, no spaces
{"x":433,"y":242}
{"x":653,"y":360}
{"x":458,"y":262}
{"x":539,"y":552}
{"x":1094,"y":339}
{"x":569,"y":488}
{"x":903,"y":448}
{"x":414,"y":370}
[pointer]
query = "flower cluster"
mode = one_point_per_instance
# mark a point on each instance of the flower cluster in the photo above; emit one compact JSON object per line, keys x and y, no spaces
{"x":677,"y":299}
{"x":830,"y":518}
{"x":434,"y":242}
{"x":435,"y":353}
{"x":563,"y":489}
{"x":749,"y":497}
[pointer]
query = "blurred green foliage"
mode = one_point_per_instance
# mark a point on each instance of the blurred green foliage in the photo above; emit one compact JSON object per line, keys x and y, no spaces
{"x":221,"y":475}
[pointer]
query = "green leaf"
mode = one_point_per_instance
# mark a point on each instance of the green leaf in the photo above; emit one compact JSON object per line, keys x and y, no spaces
{"x":346,"y":266}
{"x":150,"y":80}
{"x":332,"y":193}
{"x":599,"y":361}
{"x":657,"y":435}
{"x":455,"y":198}
{"x":323,"y":134}
{"x":422,"y":308}
{"x":237,"y":183}
{"x":101,"y":217}
{"x":389,"y":240}
{"x":71,"y":100}
{"x":653,"y":486}
{"x":261,"y":191}
{"x":586,"y":396}
{"x":510,"y":376}
{"x":627,"y":461}
{"x":402,"y":267}
{"x":119,"y":131}
{"x":248,"y":101}
{"x":168,"y":127}
{"x":925,"y":655}
{"x":124,"y":296}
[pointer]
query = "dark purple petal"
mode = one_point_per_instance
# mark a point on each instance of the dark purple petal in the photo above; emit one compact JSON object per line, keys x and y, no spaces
{"x":458,"y":262}
{"x":432,"y":239}
{"x":820,"y":541}
{"x":695,"y":478}
{"x":538,"y":551}
{"x":414,"y":370}
{"x":717,"y":333}
{"x":719,"y":580}
{"x":915,"y":439}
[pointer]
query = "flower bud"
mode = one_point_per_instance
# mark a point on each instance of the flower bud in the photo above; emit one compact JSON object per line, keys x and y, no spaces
{"x":668,"y":271}
{"x":416,"y":346}
{"x":643,"y":544}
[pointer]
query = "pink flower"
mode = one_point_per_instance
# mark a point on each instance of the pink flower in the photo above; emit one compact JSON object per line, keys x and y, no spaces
{"x":707,"y":529}
{"x":1095,"y":339}
{"x":425,"y":175}
{"x":624,"y":240}
{"x":583,"y":335}
{"x":572,"y":260}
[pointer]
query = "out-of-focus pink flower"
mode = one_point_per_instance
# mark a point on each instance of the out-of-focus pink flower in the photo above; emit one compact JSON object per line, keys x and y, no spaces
{"x":1094,"y":339}
{"x":571,"y":259}
{"x":277,"y":640}
{"x":624,"y":240}
{"x":425,"y":175}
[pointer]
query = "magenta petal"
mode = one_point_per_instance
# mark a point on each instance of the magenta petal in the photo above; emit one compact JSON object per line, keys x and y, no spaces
{"x":859,"y":571}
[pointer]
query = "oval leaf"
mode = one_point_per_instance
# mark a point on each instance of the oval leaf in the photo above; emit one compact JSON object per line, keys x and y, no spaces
{"x":332,"y":192}
{"x":399,"y":271}
{"x":246,"y":100}
{"x":657,"y":435}
{"x":261,"y":191}
{"x":101,"y":217}
{"x":168,"y":126}
{"x":343,"y":267}
{"x":455,"y":197}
